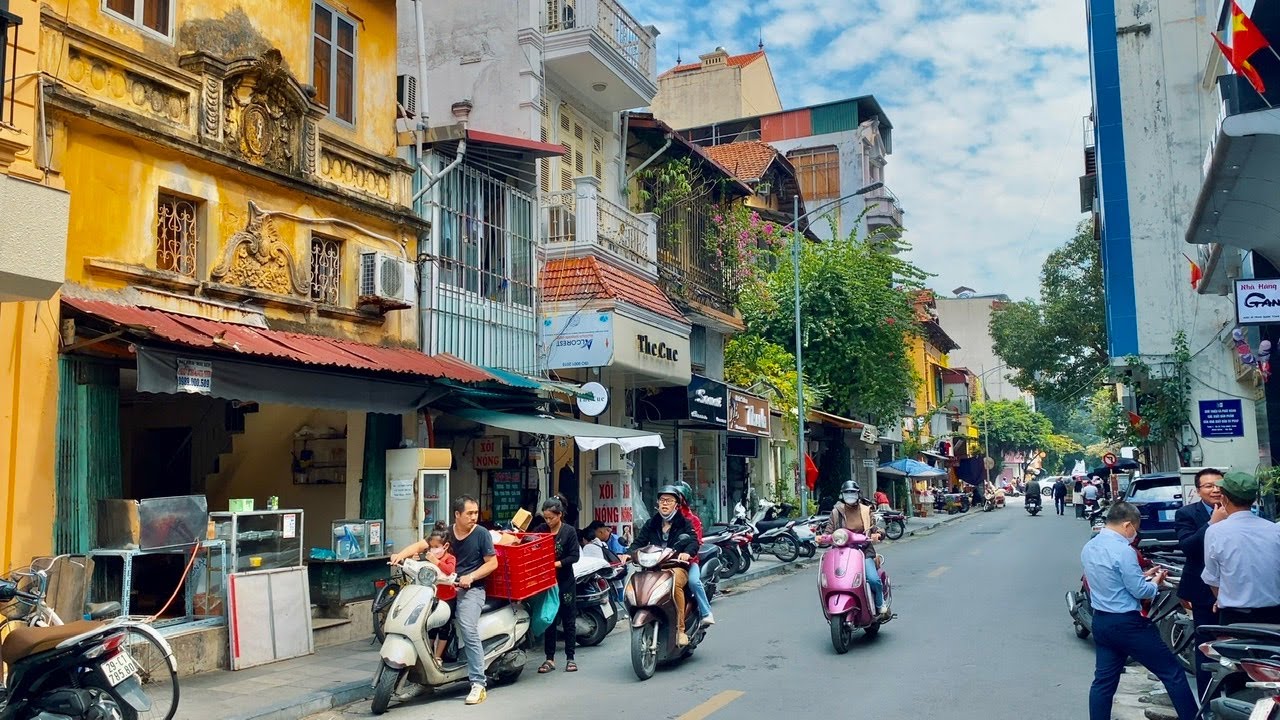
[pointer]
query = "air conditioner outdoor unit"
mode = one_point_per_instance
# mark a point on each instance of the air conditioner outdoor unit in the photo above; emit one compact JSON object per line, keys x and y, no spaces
{"x":407,"y":94}
{"x":387,"y":281}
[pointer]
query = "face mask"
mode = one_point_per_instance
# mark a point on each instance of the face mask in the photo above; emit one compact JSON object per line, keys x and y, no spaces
{"x":436,"y":552}
{"x":670,"y":515}
{"x":852,"y":498}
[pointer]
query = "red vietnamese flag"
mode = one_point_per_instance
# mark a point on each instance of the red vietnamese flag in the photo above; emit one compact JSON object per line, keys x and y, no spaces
{"x":1196,"y":273}
{"x":810,"y":472}
{"x":1246,"y":40}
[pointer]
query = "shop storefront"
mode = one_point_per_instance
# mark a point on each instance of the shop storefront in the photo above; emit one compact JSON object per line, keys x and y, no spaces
{"x":747,"y":444}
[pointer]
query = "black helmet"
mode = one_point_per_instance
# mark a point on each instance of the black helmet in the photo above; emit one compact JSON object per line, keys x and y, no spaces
{"x":850,"y":486}
{"x":673,"y":491}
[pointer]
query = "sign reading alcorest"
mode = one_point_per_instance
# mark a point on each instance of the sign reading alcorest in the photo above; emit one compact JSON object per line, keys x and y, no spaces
{"x":658,"y":350}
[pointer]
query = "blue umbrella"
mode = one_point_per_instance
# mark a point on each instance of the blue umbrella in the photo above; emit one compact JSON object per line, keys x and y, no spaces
{"x":906,"y":467}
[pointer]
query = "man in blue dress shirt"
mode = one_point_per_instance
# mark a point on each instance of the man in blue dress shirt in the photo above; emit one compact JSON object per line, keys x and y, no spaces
{"x":1242,"y":556}
{"x":1117,"y":586}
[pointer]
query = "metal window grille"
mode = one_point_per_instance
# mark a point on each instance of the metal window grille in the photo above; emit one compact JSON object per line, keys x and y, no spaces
{"x":326,"y":270}
{"x":177,"y":234}
{"x":9,"y":24}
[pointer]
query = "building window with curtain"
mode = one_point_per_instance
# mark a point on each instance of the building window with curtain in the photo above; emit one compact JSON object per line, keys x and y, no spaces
{"x":177,"y":234}
{"x":153,"y":15}
{"x":333,"y":62}
{"x":326,"y":270}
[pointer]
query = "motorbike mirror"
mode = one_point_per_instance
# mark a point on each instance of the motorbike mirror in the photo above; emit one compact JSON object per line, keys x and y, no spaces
{"x":8,"y":590}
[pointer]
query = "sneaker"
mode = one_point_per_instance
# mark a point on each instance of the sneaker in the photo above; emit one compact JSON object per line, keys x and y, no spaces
{"x":682,"y":640}
{"x":884,"y":609}
{"x":709,"y":619}
{"x":477,"y":695}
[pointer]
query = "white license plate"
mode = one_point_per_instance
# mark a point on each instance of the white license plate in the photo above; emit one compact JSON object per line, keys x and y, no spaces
{"x":119,"y":668}
{"x":607,"y":608}
{"x":1262,"y":709}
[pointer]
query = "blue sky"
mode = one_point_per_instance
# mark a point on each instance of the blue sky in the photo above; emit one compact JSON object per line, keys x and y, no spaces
{"x":986,"y":98}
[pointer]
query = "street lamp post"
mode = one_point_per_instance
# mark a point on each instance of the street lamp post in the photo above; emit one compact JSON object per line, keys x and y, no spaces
{"x":796,"y":217}
{"x":986,"y":441}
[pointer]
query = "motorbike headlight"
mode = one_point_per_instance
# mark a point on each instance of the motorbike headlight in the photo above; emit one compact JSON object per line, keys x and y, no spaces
{"x":840,"y":537}
{"x":427,"y":575}
{"x":648,"y":559}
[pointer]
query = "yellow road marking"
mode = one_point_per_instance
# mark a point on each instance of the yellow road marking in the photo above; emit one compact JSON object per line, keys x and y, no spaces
{"x":938,"y":571}
{"x":717,"y":702}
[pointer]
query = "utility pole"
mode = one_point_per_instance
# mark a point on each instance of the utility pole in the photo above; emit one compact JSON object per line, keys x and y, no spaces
{"x":795,"y":261}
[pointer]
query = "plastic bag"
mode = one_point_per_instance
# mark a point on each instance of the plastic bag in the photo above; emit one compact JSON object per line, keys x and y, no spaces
{"x":545,"y":606}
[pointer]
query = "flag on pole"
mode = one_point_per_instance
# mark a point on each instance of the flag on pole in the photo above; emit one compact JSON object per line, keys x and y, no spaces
{"x":1196,"y":273}
{"x":1246,"y":41}
{"x":1139,"y":425}
{"x":810,"y":472}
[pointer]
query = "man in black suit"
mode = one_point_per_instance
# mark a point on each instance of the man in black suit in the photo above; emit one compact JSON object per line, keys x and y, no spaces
{"x":1192,"y":520}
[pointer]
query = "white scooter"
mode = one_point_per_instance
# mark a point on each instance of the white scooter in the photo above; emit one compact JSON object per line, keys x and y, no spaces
{"x":407,"y":651}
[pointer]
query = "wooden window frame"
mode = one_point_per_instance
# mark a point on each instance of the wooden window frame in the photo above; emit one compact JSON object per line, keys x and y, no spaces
{"x":330,"y":89}
{"x":810,"y":163}
{"x":139,"y":14}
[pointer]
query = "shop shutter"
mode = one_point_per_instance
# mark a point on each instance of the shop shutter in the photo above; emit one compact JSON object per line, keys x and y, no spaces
{"x":88,"y":467}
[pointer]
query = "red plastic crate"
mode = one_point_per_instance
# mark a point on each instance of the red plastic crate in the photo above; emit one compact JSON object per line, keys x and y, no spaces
{"x":526,"y":569}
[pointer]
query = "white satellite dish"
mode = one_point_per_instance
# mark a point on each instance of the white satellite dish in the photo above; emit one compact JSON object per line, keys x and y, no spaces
{"x":598,"y":401}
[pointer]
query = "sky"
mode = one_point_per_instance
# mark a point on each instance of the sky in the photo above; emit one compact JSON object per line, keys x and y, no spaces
{"x":987,"y":100}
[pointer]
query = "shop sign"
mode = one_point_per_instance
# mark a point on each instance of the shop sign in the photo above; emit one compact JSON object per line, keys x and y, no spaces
{"x":659,"y":350}
{"x":1221,"y":418}
{"x":869,"y":434}
{"x":576,"y":340}
{"x":1257,"y":301}
{"x":195,"y":376}
{"x":612,"y":501}
{"x":748,"y":414}
{"x":489,"y":453}
{"x":508,"y":491}
{"x":707,"y":401}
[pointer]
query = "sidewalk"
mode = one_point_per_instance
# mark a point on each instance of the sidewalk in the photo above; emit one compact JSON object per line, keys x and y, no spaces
{"x":339,"y":675}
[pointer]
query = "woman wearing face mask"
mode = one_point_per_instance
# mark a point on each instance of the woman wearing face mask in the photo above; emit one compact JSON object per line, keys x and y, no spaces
{"x":852,"y":514}
{"x":669,"y":529}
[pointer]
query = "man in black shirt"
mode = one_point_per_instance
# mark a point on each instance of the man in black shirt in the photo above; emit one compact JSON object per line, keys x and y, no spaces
{"x":473,"y":548}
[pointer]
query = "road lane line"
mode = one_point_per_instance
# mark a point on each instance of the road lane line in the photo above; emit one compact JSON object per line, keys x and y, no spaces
{"x":938,"y":571}
{"x":717,"y":702}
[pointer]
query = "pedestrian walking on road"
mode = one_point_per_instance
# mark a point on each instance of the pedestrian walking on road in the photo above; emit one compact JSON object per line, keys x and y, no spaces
{"x":568,"y":551}
{"x":1242,"y":556}
{"x":1192,"y":522}
{"x":1117,"y":585}
{"x":1077,"y":496}
{"x":1060,"y":496}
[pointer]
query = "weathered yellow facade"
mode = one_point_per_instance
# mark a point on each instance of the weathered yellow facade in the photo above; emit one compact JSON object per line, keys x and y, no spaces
{"x":206,"y":129}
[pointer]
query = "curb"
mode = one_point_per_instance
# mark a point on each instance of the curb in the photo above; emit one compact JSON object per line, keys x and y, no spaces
{"x":312,"y":703}
{"x":777,"y":569}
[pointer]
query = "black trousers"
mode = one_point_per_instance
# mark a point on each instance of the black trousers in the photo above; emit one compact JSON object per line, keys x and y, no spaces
{"x":1269,"y":615}
{"x":1118,"y":637}
{"x":567,"y":619}
{"x":1202,"y":615}
{"x":1060,"y":504}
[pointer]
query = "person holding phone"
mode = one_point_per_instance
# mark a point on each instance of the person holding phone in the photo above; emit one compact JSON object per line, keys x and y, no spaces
{"x":1192,"y":521}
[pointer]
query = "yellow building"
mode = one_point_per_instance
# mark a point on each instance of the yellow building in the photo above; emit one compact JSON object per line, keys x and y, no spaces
{"x":932,"y":419}
{"x":238,"y":317}
{"x":718,"y":87}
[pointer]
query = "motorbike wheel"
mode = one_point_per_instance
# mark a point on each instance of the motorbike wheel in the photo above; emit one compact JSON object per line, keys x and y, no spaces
{"x":744,"y":562}
{"x":158,"y":681}
{"x":731,"y":560}
{"x":872,"y":630}
{"x":1178,"y":633}
{"x":595,"y":628}
{"x":644,"y":650}
{"x":1082,"y":632}
{"x":786,"y":548}
{"x":808,"y":549}
{"x":382,"y":603}
{"x":841,"y":635}
{"x":384,"y":687}
{"x":895,"y":529}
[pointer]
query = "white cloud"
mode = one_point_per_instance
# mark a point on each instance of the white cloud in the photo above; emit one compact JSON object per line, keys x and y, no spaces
{"x":986,"y":98}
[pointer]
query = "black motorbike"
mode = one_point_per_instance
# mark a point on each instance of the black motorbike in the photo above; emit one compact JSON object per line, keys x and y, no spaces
{"x":1032,"y":505}
{"x":596,"y":604}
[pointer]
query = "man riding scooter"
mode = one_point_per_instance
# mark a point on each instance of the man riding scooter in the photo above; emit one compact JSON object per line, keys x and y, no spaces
{"x":1033,"y":494}
{"x":852,"y":514}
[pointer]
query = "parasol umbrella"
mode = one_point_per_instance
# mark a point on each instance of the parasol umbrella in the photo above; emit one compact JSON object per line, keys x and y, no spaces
{"x":906,"y":467}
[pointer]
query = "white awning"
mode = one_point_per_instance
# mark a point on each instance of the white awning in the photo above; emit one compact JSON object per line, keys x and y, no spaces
{"x":588,"y":436}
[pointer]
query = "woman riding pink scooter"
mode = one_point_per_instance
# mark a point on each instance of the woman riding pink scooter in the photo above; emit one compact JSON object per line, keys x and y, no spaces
{"x":853,"y":590}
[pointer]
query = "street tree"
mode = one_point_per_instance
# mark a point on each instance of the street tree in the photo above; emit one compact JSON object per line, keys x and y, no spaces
{"x":1010,"y":427}
{"x":1058,"y":344}
{"x":752,"y":362}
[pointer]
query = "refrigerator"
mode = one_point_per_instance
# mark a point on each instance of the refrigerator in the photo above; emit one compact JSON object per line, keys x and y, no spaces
{"x":417,"y":493}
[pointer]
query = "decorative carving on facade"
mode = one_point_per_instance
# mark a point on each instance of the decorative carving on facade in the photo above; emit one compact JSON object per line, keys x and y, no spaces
{"x":354,"y":173}
{"x":257,"y":258}
{"x":262,"y":111}
{"x":125,"y":87}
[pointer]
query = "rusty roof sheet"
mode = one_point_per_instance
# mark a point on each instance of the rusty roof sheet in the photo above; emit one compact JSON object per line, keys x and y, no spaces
{"x":746,"y":160}
{"x":588,"y":278}
{"x":197,"y":332}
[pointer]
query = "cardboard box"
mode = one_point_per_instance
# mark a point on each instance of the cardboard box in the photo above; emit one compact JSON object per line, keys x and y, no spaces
{"x":521,"y":519}
{"x":239,"y":505}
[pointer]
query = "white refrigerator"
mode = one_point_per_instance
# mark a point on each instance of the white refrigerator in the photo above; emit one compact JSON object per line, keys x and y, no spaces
{"x":417,"y":493}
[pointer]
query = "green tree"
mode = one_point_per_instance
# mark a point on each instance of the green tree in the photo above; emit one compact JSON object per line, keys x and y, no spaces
{"x":1058,"y":344}
{"x":1010,"y":426}
{"x":858,"y":320}
{"x":751,"y":361}
{"x":1061,"y":452}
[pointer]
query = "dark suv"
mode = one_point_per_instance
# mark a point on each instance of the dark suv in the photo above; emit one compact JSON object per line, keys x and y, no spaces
{"x":1157,"y":496}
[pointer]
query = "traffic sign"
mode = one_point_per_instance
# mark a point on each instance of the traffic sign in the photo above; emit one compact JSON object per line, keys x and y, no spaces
{"x":1109,"y":460}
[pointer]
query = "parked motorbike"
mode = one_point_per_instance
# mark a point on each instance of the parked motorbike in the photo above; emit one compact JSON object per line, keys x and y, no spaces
{"x":596,"y":614}
{"x":730,"y":551}
{"x":1264,"y":676}
{"x":806,"y":537}
{"x":1238,"y":655}
{"x":407,"y":651}
{"x":893,"y":522}
{"x":77,"y":671}
{"x":771,"y":531}
{"x":1032,"y":505}
{"x":843,"y":591}
{"x":652,"y":606}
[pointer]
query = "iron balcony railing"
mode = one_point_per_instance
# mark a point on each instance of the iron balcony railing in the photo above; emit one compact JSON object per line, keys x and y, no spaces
{"x":610,"y":21}
{"x":581,"y":216}
{"x":9,"y":24}
{"x":687,"y":267}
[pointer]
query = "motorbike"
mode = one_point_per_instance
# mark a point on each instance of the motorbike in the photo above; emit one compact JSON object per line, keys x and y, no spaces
{"x":807,"y":538}
{"x":846,"y":598}
{"x":730,"y":551}
{"x":77,"y":671}
{"x":651,"y":604}
{"x":1032,"y":505}
{"x":1242,"y":663}
{"x":597,"y":615}
{"x":893,"y":522}
{"x":770,"y":531}
{"x":407,"y":651}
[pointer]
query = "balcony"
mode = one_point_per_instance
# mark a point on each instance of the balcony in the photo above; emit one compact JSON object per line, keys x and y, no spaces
{"x":580,"y":222}
{"x":686,"y":269}
{"x":884,"y":211}
{"x":1089,"y":180}
{"x":33,"y":239}
{"x":597,"y":45}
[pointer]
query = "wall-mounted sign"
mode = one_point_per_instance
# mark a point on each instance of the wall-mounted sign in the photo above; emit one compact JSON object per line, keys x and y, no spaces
{"x":596,"y":404}
{"x":576,"y":339}
{"x":870,"y":434}
{"x":195,"y":376}
{"x":656,"y":349}
{"x":1257,"y":301}
{"x":611,"y":495}
{"x":1221,"y":418}
{"x":708,"y":401}
{"x":489,"y":453}
{"x":748,"y":414}
{"x":508,"y":488}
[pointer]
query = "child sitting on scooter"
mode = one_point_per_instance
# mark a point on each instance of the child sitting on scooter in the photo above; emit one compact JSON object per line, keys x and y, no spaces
{"x":435,"y":551}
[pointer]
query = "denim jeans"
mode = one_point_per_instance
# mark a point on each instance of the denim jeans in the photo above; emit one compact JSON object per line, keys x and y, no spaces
{"x":1118,"y":637}
{"x":470,"y":605}
{"x":873,"y":579}
{"x":699,"y":592}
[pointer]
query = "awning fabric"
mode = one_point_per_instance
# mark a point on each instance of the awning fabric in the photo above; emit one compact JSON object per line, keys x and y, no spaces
{"x":588,"y":436}
{"x":542,"y":384}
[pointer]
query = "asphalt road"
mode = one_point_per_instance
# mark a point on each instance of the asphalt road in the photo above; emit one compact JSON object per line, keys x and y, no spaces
{"x":982,"y":633}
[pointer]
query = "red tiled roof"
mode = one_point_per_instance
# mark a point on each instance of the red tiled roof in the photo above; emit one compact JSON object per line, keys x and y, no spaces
{"x":295,"y":347}
{"x":746,"y":160}
{"x":732,"y":61}
{"x":588,"y":278}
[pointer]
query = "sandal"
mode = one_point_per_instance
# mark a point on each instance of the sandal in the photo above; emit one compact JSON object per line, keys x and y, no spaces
{"x":571,"y":666}
{"x":547,"y":667}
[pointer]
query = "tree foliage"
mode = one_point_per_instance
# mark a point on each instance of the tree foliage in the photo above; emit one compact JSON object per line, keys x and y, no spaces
{"x":1058,"y":344}
{"x":1010,"y":426}
{"x":1162,"y":397}
{"x":858,"y":320}
{"x":750,"y":361}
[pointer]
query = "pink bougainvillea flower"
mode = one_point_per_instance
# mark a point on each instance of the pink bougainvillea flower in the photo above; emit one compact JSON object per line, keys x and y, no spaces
{"x":718,"y":219}
{"x":890,"y":320}
{"x":768,"y":228}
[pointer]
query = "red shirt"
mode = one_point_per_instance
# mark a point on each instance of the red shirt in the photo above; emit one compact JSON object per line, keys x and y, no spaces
{"x":697,"y":525}
{"x":447,"y":564}
{"x":881,"y":498}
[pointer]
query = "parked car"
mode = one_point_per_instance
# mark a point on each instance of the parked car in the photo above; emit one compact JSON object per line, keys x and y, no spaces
{"x":1157,"y":496}
{"x":1046,"y":485}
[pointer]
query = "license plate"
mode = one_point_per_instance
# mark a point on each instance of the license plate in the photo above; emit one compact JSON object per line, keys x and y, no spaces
{"x":1262,"y":709}
{"x":119,"y":668}
{"x":607,"y":609}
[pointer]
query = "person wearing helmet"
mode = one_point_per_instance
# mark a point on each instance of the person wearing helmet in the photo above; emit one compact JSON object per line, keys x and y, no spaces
{"x":669,"y":529}
{"x":853,"y":514}
{"x":695,"y":567}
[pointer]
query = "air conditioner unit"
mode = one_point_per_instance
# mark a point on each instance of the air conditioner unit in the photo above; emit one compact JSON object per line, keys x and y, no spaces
{"x":387,"y":281}
{"x":407,"y":94}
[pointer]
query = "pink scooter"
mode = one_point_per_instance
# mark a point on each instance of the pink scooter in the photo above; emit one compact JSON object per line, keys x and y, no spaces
{"x":846,"y":598}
